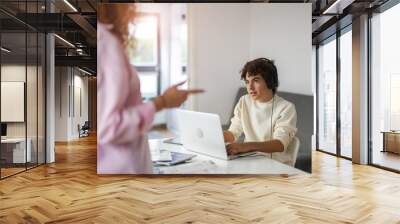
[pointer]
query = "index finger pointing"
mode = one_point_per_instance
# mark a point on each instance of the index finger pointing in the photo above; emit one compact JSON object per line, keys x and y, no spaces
{"x":190,"y":91}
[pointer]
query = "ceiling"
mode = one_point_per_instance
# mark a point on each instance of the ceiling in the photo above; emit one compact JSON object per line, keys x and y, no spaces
{"x":76,"y":22}
{"x":76,"y":25}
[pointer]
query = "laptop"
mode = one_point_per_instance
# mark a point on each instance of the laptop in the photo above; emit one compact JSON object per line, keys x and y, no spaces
{"x":174,"y":140}
{"x":202,"y":133}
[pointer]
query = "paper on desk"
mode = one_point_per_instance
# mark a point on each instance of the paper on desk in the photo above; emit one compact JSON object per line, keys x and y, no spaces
{"x":197,"y":167}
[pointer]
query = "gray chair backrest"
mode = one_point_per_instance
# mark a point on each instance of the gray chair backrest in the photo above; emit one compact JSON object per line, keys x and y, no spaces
{"x":305,"y":119}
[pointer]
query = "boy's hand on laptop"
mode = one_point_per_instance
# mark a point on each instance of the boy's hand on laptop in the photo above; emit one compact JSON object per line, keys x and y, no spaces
{"x":235,"y":148}
{"x":228,"y":136}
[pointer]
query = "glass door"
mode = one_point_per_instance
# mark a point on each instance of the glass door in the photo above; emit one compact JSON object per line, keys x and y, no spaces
{"x":327,"y":96}
{"x":385,"y":89}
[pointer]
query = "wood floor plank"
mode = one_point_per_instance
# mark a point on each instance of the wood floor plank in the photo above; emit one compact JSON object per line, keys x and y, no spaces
{"x":70,"y":191}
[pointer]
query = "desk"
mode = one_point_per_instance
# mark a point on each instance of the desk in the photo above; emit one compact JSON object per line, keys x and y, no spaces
{"x":391,"y":141}
{"x":202,"y":164}
{"x":13,"y":150}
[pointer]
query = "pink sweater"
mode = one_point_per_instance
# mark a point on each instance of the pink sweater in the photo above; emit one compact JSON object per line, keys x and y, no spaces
{"x":123,"y":119}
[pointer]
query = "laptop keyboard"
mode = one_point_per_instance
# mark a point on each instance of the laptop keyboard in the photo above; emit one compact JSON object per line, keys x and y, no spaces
{"x":245,"y":154}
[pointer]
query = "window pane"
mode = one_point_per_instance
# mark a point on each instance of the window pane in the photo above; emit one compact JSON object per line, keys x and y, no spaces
{"x":394,"y":101}
{"x":385,"y":84}
{"x":148,"y":84}
{"x":13,"y":86}
{"x":142,"y":45}
{"x":31,"y":100}
{"x":346,"y":94}
{"x":327,"y":97}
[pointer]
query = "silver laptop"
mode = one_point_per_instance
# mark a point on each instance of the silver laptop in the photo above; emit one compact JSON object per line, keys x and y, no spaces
{"x":202,"y":133}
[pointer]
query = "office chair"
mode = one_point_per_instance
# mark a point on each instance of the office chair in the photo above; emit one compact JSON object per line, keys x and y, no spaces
{"x":293,"y":149}
{"x":84,"y":130}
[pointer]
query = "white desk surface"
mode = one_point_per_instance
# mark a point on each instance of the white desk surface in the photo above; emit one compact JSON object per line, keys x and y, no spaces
{"x":13,"y":140}
{"x":202,"y":164}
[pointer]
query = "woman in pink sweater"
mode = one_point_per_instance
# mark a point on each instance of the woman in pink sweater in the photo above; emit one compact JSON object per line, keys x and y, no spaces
{"x":123,"y":119}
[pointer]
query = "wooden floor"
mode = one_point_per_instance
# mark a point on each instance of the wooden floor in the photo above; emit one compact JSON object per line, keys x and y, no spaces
{"x":10,"y":171}
{"x":70,"y":191}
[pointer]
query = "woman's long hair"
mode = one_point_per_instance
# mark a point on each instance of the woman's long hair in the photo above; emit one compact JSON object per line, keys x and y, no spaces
{"x":119,"y":15}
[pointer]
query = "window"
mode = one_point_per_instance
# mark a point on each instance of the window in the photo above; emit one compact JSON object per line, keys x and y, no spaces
{"x":143,"y":52}
{"x":144,"y":38}
{"x":346,"y":93}
{"x":385,"y":86}
{"x":335,"y":74}
{"x":327,"y":96}
{"x":394,"y":102}
{"x":22,"y":76}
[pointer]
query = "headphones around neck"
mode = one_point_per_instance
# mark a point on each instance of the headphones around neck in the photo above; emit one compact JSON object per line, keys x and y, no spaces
{"x":272,"y":83}
{"x":272,"y":114}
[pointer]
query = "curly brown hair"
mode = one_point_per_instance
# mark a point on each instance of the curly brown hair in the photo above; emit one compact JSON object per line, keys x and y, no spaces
{"x":119,"y":15}
{"x":263,"y":67}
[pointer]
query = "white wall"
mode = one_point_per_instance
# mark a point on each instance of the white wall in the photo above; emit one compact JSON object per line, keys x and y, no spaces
{"x":282,"y":32}
{"x":80,"y":83}
{"x":222,"y":38}
{"x":61,"y":103}
{"x":68,"y":81}
{"x":218,"y":48}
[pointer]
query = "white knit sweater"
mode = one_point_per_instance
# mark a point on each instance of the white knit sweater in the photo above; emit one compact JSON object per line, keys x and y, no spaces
{"x":253,"y":118}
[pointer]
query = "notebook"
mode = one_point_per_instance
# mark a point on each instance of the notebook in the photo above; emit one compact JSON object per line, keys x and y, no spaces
{"x":176,"y":158}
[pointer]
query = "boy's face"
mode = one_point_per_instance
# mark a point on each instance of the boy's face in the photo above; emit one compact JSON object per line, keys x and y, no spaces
{"x":257,"y":87}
